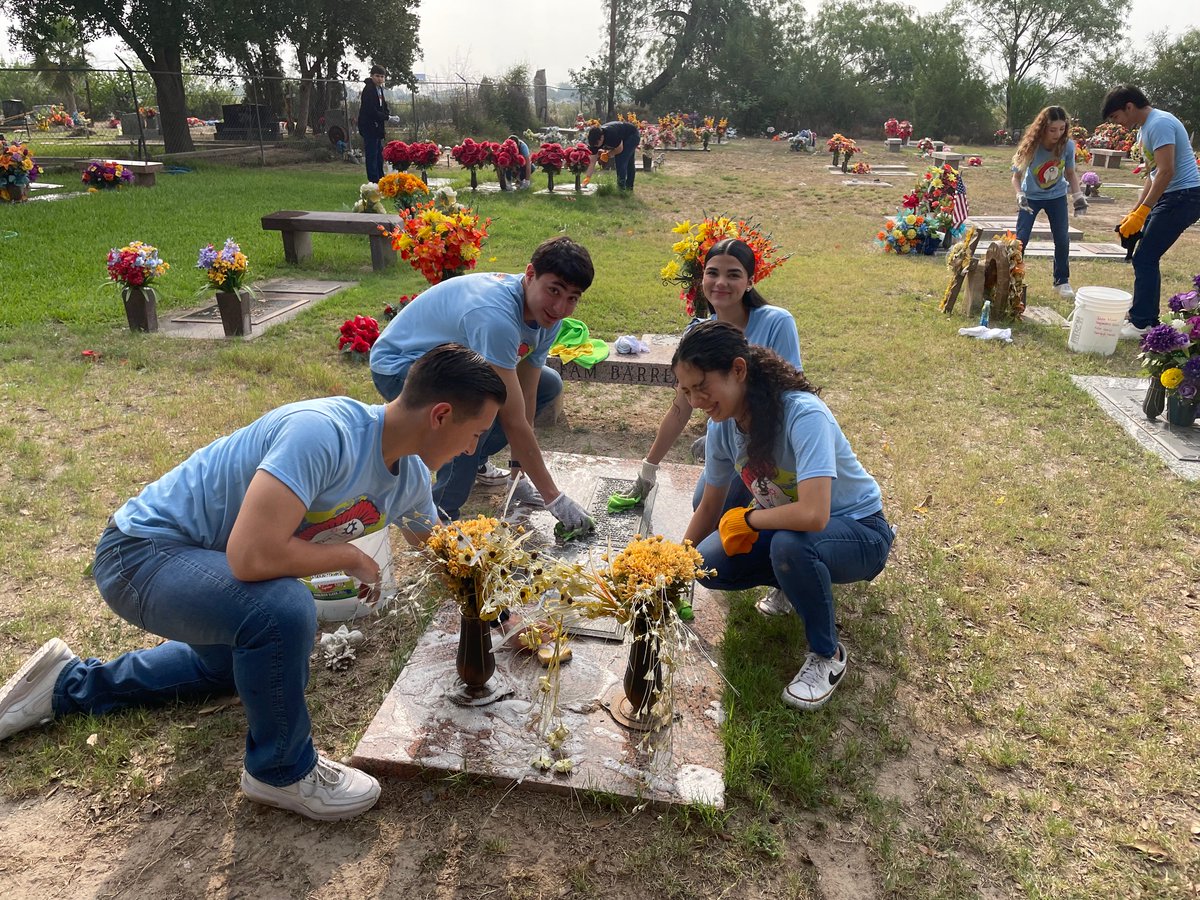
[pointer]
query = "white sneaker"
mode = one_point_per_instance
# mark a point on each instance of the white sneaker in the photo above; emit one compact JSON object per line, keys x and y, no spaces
{"x":1130,"y":332}
{"x":775,"y":604}
{"x":1065,"y":290}
{"x":27,"y":699}
{"x":527,"y":495}
{"x":329,"y":792}
{"x":491,"y":476}
{"x":816,"y":681}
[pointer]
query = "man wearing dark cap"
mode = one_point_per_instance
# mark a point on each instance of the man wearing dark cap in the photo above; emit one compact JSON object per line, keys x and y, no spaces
{"x":372,"y":116}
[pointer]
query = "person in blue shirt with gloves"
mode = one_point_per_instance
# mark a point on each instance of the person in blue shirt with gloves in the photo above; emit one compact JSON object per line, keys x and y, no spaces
{"x":210,"y":555}
{"x":1043,"y":165}
{"x":1168,"y":205}
{"x":816,"y":516}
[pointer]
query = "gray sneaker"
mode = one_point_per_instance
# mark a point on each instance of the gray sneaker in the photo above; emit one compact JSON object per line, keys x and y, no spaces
{"x":27,"y":699}
{"x":329,"y":792}
{"x":491,"y":475}
{"x":775,"y":604}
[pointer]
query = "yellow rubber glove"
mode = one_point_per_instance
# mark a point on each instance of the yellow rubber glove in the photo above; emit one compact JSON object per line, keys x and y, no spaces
{"x":737,"y":535}
{"x":1134,"y":222}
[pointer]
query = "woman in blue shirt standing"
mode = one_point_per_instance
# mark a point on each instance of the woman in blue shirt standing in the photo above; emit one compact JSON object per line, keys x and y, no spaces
{"x":1042,"y":167}
{"x":816,"y":518}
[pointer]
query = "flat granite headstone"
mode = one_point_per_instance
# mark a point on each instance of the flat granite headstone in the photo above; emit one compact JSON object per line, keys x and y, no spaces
{"x":1078,"y":251}
{"x":856,"y":182}
{"x":280,"y":299}
{"x":882,"y":169}
{"x":994,"y":226}
{"x":1121,"y":399}
{"x":567,"y":189}
{"x":653,"y":368}
{"x":419,"y":730}
{"x":1043,"y":315}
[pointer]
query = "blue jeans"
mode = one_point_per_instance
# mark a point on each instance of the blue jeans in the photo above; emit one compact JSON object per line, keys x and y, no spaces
{"x":1174,"y":213}
{"x":1056,"y":214}
{"x":224,"y":636}
{"x":806,"y":565}
{"x":454,"y":480}
{"x":739,"y":495}
{"x":373,"y":155}
{"x":625,"y":165}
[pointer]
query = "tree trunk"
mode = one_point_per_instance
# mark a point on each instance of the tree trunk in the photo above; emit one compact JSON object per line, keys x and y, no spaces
{"x":685,"y":42}
{"x":172,"y":101}
{"x":302,"y":105}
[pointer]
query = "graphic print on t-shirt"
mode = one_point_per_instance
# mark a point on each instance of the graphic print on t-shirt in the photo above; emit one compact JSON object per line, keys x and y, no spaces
{"x":346,"y":522}
{"x":1049,"y":172}
{"x":769,"y":491}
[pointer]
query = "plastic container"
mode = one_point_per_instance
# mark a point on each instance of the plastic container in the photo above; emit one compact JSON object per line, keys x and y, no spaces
{"x":336,"y":593}
{"x":1096,"y":320}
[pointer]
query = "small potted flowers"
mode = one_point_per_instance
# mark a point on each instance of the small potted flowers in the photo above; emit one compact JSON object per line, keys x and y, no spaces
{"x":356,"y":338}
{"x":369,"y":199}
{"x":17,"y":170}
{"x":134,"y":267}
{"x":403,"y":189}
{"x":1170,"y":353}
{"x":103,"y":175}
{"x":1091,"y":184}
{"x":226,"y":270}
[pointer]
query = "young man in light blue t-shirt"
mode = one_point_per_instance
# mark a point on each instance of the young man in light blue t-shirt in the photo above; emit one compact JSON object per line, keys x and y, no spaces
{"x":512,"y":320}
{"x":1168,"y":205}
{"x":210,"y":555}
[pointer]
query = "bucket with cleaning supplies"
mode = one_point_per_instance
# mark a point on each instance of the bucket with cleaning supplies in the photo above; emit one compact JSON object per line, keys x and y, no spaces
{"x":1096,"y":320}
{"x":336,"y":593}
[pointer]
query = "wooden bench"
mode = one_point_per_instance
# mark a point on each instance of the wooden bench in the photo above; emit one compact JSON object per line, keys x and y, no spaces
{"x":1107,"y":159}
{"x":144,"y":173}
{"x":298,"y":227}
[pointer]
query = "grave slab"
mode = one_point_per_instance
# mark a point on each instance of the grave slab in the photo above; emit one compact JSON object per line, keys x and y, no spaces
{"x":281,"y":299}
{"x":1121,"y":400}
{"x":1043,"y":315}
{"x":55,"y":196}
{"x":43,"y":186}
{"x":568,"y":190}
{"x":1107,"y":159}
{"x":881,"y":169}
{"x":856,"y":182}
{"x":1078,"y":251}
{"x":652,"y":368}
{"x":992,"y":227}
{"x":418,"y":730}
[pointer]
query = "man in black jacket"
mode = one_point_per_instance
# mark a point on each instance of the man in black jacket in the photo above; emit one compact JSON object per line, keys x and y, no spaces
{"x":372,"y":116}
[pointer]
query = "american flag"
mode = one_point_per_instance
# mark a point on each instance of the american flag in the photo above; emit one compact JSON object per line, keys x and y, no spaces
{"x":961,"y":209}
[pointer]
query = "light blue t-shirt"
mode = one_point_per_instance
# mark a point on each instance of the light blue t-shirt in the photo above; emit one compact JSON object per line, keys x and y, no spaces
{"x":772,"y":327}
{"x":810,"y":445}
{"x":484,"y":311}
{"x":1045,"y":177}
{"x":329,"y":453}
{"x":1162,"y":128}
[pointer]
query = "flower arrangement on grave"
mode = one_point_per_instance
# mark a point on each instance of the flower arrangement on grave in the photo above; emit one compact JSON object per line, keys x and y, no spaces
{"x":370,"y":200}
{"x":391,"y":310}
{"x":472,"y":154}
{"x":506,"y":156}
{"x":861,"y":168}
{"x":17,"y":169}
{"x":911,"y":233}
{"x":687,"y":268}
{"x":147,"y":112}
{"x":225,"y":269}
{"x":135,"y":265}
{"x":891,"y":128}
{"x":1111,"y":136}
{"x":1090,"y":182}
{"x":974,"y":161}
{"x":925,"y":146}
{"x":1010,"y":307}
{"x":395,"y":153}
{"x":578,"y":158}
{"x":643,"y":586}
{"x":1170,"y":354}
{"x":906,"y":130}
{"x":424,"y":155}
{"x":356,"y":337}
{"x":925,"y":215}
{"x":403,"y":189}
{"x":1083,"y":156}
{"x":800,"y":141}
{"x":849,"y":149}
{"x":1001,"y":136}
{"x":551,"y":159}
{"x":438,"y":244}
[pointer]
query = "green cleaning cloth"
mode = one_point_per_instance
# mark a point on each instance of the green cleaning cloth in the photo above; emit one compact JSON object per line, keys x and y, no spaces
{"x":575,"y":345}
{"x":620,"y":503}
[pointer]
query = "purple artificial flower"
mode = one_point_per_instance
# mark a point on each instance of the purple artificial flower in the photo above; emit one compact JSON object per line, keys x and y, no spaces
{"x":1196,"y":282}
{"x":1184,"y":301}
{"x":1187,"y":390}
{"x":1191,"y":368}
{"x":1163,"y":339}
{"x":208,"y":255}
{"x":1091,"y":179}
{"x":1194,"y":334}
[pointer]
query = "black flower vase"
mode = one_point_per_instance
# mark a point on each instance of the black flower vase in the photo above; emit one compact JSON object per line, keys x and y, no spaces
{"x":643,"y":671}
{"x":550,"y":182}
{"x":1155,"y":399}
{"x":1180,"y":412}
{"x":846,"y":163}
{"x":141,"y":308}
{"x":836,"y":155}
{"x":475,"y":662}
{"x":474,"y":182}
{"x":234,"y":307}
{"x":579,"y":181}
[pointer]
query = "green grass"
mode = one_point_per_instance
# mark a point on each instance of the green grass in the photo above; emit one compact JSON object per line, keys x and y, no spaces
{"x":1018,"y":709}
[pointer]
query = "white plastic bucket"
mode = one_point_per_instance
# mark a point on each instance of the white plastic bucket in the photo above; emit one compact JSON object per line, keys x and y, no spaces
{"x":1097,"y":318}
{"x":336,"y":595}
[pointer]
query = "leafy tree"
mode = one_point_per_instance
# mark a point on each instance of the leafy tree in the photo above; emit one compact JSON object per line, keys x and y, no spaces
{"x":1173,"y":79}
{"x":57,"y":47}
{"x":1083,"y":94}
{"x":507,"y":101}
{"x":1026,"y":36}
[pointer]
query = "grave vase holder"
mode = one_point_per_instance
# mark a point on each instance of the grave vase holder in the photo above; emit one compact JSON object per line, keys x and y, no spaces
{"x":836,"y":157}
{"x":475,"y":662}
{"x":579,"y":181}
{"x":550,"y":182}
{"x":18,"y":191}
{"x":502,"y":176}
{"x":846,"y":162}
{"x":425,"y":177}
{"x":705,"y":141}
{"x":643,"y":671}
{"x":1155,"y":399}
{"x":234,"y":307}
{"x":647,"y":162}
{"x":141,"y":308}
{"x":474,"y":181}
{"x":1180,"y":412}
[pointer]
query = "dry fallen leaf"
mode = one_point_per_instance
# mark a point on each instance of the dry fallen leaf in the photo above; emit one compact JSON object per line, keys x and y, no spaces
{"x":1186,"y":660}
{"x":1153,"y":852}
{"x":93,"y":739}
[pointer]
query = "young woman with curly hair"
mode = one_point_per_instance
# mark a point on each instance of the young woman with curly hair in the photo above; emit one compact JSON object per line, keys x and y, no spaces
{"x":816,"y":518}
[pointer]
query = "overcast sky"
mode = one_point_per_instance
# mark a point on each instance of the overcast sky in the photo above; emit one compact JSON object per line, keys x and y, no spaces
{"x":482,"y":37}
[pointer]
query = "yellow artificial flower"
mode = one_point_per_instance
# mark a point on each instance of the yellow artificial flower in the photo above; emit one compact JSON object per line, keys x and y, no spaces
{"x":670,"y":271}
{"x":911,"y":220}
{"x":911,"y":233}
{"x":1171,"y":378}
{"x":683,"y":227}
